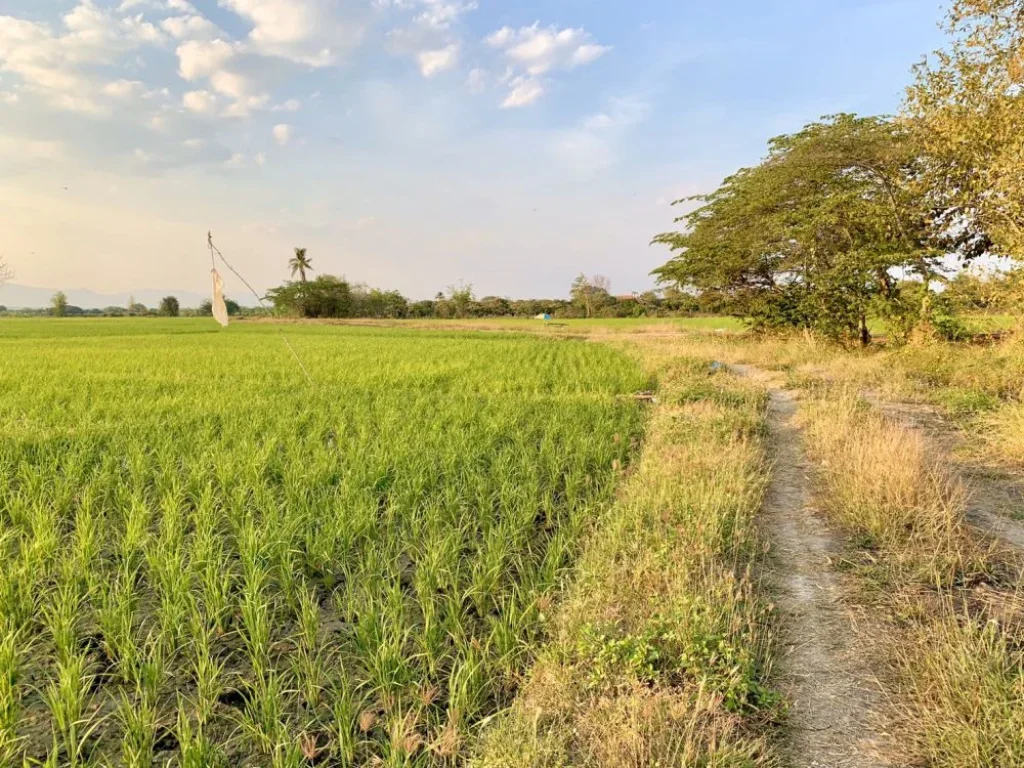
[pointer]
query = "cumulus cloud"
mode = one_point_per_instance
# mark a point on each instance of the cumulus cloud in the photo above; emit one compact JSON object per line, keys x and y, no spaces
{"x":534,"y":51}
{"x":203,"y":58}
{"x":283,"y":133}
{"x":312,"y":32}
{"x":190,"y":28}
{"x":200,"y":102}
{"x":60,"y":64}
{"x":525,"y":91}
{"x":123,"y":90}
{"x":428,"y":36}
{"x":538,"y":50}
{"x":434,"y":62}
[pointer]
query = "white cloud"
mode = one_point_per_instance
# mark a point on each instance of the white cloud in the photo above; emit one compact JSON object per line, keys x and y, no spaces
{"x":142,"y":155}
{"x":198,"y":58}
{"x":501,"y":38}
{"x":200,"y":102}
{"x":245,"y":106}
{"x":434,"y":62}
{"x":283,"y":133}
{"x":58,"y":64}
{"x":193,"y":143}
{"x":260,"y":159}
{"x":438,"y":14}
{"x":33,"y":149}
{"x":237,"y":160}
{"x":312,"y":32}
{"x":210,"y":59}
{"x":539,"y":50}
{"x":535,"y":51}
{"x":190,"y":28}
{"x":230,"y":84}
{"x":123,"y":89}
{"x":292,"y":105}
{"x":525,"y":91}
{"x":476,"y":81}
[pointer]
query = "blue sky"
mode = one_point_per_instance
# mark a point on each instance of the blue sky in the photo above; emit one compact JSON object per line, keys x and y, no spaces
{"x":410,"y":144}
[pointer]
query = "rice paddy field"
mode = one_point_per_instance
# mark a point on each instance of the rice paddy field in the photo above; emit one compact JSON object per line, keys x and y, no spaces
{"x":209,"y":561}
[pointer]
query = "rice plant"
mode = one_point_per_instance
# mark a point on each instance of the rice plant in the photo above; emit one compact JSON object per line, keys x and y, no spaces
{"x":219,"y":564}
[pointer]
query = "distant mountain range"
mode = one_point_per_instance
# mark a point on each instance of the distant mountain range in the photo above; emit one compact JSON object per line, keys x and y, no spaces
{"x":14,"y":296}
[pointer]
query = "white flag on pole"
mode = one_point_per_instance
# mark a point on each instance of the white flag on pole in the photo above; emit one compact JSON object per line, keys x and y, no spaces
{"x":220,"y":309}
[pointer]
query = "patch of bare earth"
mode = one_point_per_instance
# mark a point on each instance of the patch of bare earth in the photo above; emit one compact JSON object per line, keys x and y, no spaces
{"x":826,"y":669}
{"x":994,"y":494}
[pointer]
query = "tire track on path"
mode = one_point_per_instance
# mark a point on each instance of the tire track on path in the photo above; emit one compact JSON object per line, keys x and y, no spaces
{"x":826,"y":672}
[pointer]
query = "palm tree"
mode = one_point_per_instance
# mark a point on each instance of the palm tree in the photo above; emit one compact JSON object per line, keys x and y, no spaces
{"x":300,"y":263}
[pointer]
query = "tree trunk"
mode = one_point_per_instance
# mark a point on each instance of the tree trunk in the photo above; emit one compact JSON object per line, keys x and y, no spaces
{"x":865,"y":334}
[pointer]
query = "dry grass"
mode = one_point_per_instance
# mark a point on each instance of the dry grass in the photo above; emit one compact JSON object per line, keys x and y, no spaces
{"x":881,"y":483}
{"x":660,"y":654}
{"x":1003,"y":432}
{"x":956,"y":631}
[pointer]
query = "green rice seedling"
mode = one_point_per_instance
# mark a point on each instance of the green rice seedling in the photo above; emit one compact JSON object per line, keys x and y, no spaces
{"x":13,"y":648}
{"x":116,"y":613}
{"x":265,"y":717}
{"x":256,"y":618}
{"x":66,"y":697}
{"x":196,"y":749}
{"x":206,"y":670}
{"x":345,"y":729}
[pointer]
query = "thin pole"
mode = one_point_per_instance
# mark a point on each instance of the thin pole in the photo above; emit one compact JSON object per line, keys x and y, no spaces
{"x":215,"y":250}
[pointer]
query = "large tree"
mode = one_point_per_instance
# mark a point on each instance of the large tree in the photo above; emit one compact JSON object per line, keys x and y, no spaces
{"x":967,"y":107}
{"x":169,"y":306}
{"x":590,"y":293}
{"x":59,"y":304}
{"x":813,"y":235}
{"x":299,"y":263}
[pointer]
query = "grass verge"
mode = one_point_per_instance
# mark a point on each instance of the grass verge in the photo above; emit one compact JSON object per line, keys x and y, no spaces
{"x":660,"y":652}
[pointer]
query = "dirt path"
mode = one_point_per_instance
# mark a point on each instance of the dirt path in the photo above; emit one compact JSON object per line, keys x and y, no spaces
{"x":994,"y":494}
{"x":825,"y":669}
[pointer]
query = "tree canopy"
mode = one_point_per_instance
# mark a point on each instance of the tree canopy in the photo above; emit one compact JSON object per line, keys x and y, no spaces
{"x":967,"y":106}
{"x":817,"y":234}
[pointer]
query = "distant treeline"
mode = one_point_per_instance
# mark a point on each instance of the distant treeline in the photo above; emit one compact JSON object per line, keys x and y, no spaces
{"x":328,"y":296}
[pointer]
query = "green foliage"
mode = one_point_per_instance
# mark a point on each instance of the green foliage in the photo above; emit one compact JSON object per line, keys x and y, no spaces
{"x":205,"y":308}
{"x":591,"y":294}
{"x":326,"y":296}
{"x":300,"y":263}
{"x":59,"y":304}
{"x":967,"y":107}
{"x":169,"y":306}
{"x":811,"y":237}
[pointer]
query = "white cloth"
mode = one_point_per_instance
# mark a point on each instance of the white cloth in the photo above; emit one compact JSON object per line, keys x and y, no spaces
{"x":220,"y":309}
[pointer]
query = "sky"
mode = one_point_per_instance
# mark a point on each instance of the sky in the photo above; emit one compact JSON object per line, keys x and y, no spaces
{"x":408,"y":144}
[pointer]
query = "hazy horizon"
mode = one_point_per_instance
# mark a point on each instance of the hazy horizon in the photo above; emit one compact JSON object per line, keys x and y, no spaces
{"x":407,"y":144}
